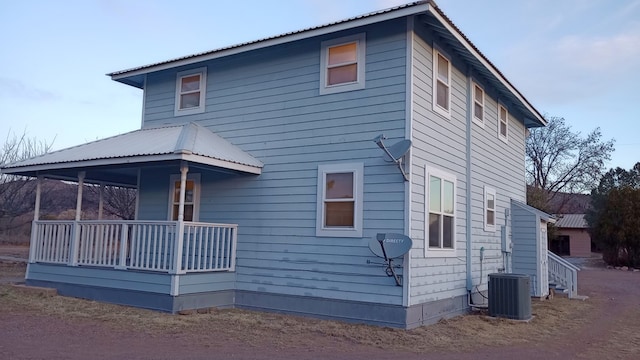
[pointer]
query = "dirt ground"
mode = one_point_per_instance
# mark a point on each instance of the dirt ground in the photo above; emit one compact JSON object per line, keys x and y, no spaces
{"x":33,"y":326}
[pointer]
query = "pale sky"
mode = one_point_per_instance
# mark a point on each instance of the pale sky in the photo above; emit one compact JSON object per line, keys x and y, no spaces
{"x":578,"y":59}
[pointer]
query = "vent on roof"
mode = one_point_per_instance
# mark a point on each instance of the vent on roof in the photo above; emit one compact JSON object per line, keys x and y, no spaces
{"x":509,"y":296}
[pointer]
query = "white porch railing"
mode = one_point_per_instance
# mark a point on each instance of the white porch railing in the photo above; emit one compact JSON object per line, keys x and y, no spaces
{"x":564,"y":273}
{"x":160,"y":246}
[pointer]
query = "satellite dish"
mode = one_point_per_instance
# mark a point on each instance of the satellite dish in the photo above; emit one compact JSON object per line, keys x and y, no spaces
{"x":395,"y":245}
{"x":399,"y":149}
{"x":395,"y":152}
{"x":388,"y":247}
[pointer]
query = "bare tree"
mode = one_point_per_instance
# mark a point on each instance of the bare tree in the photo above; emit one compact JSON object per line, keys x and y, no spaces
{"x":562,"y":161}
{"x":118,"y":201}
{"x":17,"y":193}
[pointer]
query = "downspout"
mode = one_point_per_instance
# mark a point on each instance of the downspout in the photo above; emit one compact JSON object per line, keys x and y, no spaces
{"x":408,"y":133}
{"x":468,"y":192}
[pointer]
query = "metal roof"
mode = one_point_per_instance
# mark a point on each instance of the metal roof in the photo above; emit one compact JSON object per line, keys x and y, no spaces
{"x":436,"y":19}
{"x":574,"y":221}
{"x":189,"y":142}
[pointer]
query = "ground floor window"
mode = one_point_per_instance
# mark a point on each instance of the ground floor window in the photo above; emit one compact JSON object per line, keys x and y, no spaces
{"x":339,"y":208}
{"x":440,"y":213}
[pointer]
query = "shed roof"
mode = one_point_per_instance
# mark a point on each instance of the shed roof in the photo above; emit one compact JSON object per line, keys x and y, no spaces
{"x":574,"y":221}
{"x":543,"y":215}
{"x":189,"y":142}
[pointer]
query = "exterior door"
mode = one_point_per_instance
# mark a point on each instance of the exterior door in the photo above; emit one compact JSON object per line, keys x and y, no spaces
{"x":543,"y":267}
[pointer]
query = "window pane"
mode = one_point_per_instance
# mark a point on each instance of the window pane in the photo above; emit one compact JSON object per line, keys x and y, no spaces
{"x":188,"y":213}
{"x":442,"y":98}
{"x":479,"y":95}
{"x":339,"y":213}
{"x":189,"y":100}
{"x":447,"y":232}
{"x":443,"y":69}
{"x":503,"y":114}
{"x":434,"y":230}
{"x":448,"y":198}
{"x":176,"y":192}
{"x":491,"y":204}
{"x":434,"y":194}
{"x":491,"y":217}
{"x":477,"y":112}
{"x":174,"y":214}
{"x":189,"y":190}
{"x":190,"y":83}
{"x":339,"y":186}
{"x":503,"y":129}
{"x":342,"y":54}
{"x":342,"y":74}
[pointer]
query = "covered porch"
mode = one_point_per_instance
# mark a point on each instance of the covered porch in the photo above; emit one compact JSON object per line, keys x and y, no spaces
{"x":150,"y":262}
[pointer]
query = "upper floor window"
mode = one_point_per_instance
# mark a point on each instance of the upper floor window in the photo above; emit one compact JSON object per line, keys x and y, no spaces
{"x":440,"y":214}
{"x":190,"y":91}
{"x":342,"y":64}
{"x":441,"y":84}
{"x":478,"y":105}
{"x":339,"y":208}
{"x":489,"y":209}
{"x":191,"y":198}
{"x":503,"y":123}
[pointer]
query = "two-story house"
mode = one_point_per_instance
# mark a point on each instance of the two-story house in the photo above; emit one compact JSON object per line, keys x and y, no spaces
{"x":260,"y":185}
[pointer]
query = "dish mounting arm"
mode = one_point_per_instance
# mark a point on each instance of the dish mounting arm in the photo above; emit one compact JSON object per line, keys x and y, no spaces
{"x":395,"y":153}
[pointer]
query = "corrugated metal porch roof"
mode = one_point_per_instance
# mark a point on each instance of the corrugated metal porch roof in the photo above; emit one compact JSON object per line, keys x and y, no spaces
{"x":189,"y":142}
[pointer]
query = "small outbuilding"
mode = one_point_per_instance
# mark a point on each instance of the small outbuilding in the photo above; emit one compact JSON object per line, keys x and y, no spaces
{"x":572,"y":237}
{"x":530,"y":250}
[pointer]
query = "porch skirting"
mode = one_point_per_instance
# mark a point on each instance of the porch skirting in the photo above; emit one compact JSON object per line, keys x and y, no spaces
{"x":142,"y":299}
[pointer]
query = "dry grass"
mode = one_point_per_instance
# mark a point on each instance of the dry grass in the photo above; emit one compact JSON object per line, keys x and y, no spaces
{"x":462,"y":333}
{"x":11,"y":270}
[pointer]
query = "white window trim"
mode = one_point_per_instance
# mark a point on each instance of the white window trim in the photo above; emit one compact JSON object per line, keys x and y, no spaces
{"x":358,"y":184}
{"x":196,"y":195}
{"x":203,"y":91}
{"x":490,"y":191}
{"x":500,"y":136}
{"x":360,"y":40}
{"x":436,"y":252}
{"x":444,"y":112}
{"x":476,"y":120}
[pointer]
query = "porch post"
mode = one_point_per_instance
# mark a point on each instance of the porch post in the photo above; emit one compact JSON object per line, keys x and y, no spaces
{"x":100,"y":201}
{"x":184,"y":169}
{"x":75,"y":240}
{"x":34,"y":226}
{"x":81,"y":176}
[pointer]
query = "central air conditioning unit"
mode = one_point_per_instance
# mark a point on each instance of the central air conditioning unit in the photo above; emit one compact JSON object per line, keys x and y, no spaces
{"x":509,"y":296}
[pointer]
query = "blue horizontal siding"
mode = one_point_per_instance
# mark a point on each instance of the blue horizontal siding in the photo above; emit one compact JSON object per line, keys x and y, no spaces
{"x":267,"y":102}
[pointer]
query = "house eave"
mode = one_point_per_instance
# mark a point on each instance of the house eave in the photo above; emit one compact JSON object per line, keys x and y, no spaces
{"x":533,"y":118}
{"x":34,"y":170}
{"x":127,"y":76}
